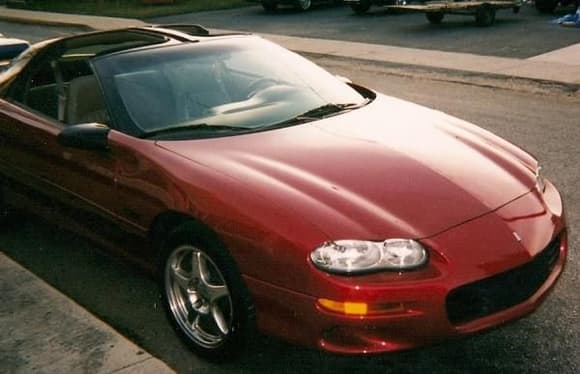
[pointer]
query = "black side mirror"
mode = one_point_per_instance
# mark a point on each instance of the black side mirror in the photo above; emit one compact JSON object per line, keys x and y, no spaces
{"x":90,"y":136}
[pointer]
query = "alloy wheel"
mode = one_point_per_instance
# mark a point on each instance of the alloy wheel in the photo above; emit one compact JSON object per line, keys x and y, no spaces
{"x":198,"y":297}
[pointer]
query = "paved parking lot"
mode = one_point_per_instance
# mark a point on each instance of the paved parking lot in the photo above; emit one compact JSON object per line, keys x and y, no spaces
{"x":513,"y":35}
{"x":520,"y":35}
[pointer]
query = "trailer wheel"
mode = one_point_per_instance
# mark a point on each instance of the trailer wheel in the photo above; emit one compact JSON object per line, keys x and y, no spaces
{"x":435,"y":18}
{"x":485,"y":15}
{"x":361,"y":7}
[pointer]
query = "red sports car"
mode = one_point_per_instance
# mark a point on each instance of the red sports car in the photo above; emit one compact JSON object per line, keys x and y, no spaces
{"x":270,"y":196}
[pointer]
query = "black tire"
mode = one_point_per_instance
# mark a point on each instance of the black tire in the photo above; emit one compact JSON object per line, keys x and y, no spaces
{"x":434,"y":17}
{"x":361,"y":7}
{"x":303,"y":5}
{"x":485,"y":15}
{"x":204,"y":295}
{"x":269,"y":5}
{"x":546,"y":6}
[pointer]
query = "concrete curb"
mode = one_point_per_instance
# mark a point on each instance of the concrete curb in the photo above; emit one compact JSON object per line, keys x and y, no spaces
{"x":44,"y":331}
{"x":488,"y":80}
{"x":547,"y":69}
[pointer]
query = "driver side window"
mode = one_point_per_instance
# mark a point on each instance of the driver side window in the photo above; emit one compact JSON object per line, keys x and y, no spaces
{"x":37,"y":89}
{"x":61,"y":86}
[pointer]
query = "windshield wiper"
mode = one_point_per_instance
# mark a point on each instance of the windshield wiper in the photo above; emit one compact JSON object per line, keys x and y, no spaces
{"x":193,"y":127}
{"x":327,"y":109}
{"x":320,"y":112}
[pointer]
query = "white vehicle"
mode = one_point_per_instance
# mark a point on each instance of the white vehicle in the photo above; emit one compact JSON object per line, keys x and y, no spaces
{"x":10,"y":48}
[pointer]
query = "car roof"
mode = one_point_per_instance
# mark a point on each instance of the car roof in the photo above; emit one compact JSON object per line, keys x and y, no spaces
{"x":190,"y":32}
{"x":149,"y":36}
{"x":118,"y":41}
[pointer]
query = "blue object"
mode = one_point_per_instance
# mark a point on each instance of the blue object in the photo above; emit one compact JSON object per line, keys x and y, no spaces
{"x":10,"y":48}
{"x":570,"y":19}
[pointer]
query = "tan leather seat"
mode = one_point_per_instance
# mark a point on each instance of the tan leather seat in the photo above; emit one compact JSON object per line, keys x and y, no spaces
{"x":85,"y":101}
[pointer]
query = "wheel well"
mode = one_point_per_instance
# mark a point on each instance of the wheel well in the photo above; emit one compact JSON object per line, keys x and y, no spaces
{"x":162,"y":226}
{"x":171,"y":230}
{"x":167,"y":222}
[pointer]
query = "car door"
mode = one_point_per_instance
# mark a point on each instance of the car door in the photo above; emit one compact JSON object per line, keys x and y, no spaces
{"x":70,"y":185}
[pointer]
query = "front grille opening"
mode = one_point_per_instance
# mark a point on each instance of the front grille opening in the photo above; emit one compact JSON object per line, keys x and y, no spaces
{"x":504,"y":290}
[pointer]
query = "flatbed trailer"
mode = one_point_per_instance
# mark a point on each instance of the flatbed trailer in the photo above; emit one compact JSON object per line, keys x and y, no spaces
{"x":483,"y":11}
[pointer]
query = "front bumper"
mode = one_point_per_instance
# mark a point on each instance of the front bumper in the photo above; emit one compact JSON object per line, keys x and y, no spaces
{"x":521,"y":247}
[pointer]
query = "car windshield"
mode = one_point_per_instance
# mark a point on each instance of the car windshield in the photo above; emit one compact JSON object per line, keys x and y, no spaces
{"x":234,"y":85}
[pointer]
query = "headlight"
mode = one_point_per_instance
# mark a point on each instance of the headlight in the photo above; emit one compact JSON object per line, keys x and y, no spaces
{"x":540,"y":182}
{"x":359,"y":256}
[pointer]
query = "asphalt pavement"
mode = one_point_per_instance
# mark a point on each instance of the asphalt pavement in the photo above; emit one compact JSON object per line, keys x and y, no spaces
{"x":561,"y":66}
{"x":522,"y":35}
{"x":46,"y":332}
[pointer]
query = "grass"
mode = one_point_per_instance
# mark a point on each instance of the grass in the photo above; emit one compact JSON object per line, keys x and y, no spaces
{"x":130,"y":8}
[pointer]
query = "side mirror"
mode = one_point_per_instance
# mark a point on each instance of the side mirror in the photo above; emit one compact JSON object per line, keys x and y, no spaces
{"x":89,"y":136}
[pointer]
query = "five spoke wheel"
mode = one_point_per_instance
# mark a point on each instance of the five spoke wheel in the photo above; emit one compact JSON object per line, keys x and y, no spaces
{"x":204,"y":294}
{"x":198,"y":296}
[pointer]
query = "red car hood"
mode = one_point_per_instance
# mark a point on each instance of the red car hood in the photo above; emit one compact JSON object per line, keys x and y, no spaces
{"x":390,"y":169}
